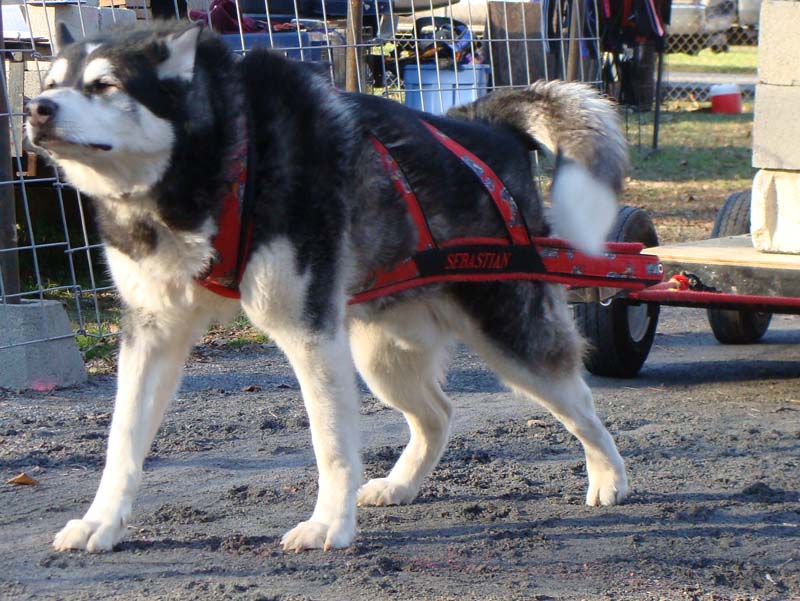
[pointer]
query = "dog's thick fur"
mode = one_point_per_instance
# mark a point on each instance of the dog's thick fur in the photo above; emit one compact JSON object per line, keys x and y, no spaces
{"x":146,"y":122}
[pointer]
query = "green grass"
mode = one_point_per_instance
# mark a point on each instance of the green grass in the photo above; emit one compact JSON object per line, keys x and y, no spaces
{"x":98,"y":340}
{"x":97,"y":337}
{"x":235,"y":335}
{"x":739,"y":59}
{"x":703,"y":159}
{"x":97,"y":349}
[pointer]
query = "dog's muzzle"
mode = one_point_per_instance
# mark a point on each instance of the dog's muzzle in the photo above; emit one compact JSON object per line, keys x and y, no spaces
{"x":40,"y":112}
{"x":41,"y":115}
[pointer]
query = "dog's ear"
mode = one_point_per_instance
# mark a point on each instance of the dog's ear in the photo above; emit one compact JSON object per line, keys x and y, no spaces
{"x":63,"y":36}
{"x":182,"y":48}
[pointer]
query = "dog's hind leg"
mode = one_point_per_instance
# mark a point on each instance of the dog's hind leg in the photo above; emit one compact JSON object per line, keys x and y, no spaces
{"x":532,"y":344}
{"x":407,"y":378}
{"x":151,"y":358}
{"x":569,"y":399}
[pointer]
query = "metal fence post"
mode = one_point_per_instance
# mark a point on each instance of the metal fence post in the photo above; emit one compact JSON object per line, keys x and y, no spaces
{"x":9,"y":262}
{"x":657,"y":110}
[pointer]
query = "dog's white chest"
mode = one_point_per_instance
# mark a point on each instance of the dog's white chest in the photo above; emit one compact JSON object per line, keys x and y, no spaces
{"x":164,"y":278}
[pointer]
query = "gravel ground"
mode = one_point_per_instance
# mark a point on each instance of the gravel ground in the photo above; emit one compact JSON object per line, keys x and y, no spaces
{"x":711,"y":436}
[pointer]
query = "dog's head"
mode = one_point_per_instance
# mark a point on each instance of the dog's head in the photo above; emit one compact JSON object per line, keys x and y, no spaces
{"x":112,"y":105}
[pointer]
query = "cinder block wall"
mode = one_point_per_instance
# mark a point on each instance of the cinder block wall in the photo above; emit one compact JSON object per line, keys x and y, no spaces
{"x":775,"y":202}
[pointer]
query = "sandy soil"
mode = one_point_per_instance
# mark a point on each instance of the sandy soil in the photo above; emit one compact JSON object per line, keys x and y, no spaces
{"x":711,"y":435}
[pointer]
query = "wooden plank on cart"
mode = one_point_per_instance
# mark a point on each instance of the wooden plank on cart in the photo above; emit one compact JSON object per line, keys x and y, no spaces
{"x":731,"y":264}
{"x":730,"y":250}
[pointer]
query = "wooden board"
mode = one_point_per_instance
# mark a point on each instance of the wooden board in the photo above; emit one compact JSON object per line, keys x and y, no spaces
{"x":732,"y":265}
{"x":732,"y":250}
{"x":522,"y":61}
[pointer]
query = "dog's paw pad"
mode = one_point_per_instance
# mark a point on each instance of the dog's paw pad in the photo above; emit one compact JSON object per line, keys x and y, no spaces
{"x":607,"y":489}
{"x":382,"y":492}
{"x":91,"y":536}
{"x":316,"y":535}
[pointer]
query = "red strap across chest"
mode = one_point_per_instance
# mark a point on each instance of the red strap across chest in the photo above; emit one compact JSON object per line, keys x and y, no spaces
{"x":230,"y":249}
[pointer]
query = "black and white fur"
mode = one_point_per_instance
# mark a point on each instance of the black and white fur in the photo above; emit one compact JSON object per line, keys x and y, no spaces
{"x":145,"y":122}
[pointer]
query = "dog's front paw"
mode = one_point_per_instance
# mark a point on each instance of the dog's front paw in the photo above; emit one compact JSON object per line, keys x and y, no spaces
{"x":95,"y":537}
{"x":316,"y":535}
{"x":382,"y":492}
{"x":607,"y":487}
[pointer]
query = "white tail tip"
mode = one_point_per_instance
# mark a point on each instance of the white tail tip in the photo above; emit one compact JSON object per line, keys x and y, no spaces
{"x":584,"y":208}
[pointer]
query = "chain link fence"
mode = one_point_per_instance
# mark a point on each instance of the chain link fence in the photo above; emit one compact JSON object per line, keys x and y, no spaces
{"x":711,"y":42}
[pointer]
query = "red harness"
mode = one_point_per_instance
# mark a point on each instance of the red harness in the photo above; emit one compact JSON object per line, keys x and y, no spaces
{"x":474,"y":259}
{"x":485,"y":259}
{"x":234,"y":233}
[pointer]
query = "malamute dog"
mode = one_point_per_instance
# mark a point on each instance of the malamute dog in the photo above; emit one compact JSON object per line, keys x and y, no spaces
{"x":150,"y":123}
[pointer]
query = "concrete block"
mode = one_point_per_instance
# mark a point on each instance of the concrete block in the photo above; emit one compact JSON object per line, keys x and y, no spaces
{"x":78,"y":20}
{"x":116,"y":18}
{"x":777,"y":43}
{"x":776,"y":128}
{"x":775,"y":211}
{"x":40,"y":365}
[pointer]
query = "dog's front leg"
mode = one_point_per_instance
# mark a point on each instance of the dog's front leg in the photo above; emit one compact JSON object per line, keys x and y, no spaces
{"x":151,"y":359}
{"x":276,"y":296}
{"x":325,"y":370}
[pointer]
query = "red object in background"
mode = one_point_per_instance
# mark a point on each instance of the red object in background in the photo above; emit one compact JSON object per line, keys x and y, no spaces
{"x":726,"y":99}
{"x":224,"y":18}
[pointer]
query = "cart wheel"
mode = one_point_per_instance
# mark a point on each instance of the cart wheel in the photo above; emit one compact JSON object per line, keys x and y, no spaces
{"x":736,"y":327}
{"x":620,"y":334}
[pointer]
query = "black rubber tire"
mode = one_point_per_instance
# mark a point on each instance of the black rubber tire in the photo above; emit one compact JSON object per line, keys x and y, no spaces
{"x":615,"y":351}
{"x":736,"y":327}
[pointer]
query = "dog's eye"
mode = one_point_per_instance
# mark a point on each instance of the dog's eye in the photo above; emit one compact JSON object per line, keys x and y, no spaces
{"x":100,"y":86}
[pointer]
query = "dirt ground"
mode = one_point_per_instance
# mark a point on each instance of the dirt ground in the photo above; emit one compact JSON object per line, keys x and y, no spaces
{"x":711,"y":436}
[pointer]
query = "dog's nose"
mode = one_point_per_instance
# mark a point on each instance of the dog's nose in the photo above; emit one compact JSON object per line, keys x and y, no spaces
{"x":40,"y":111}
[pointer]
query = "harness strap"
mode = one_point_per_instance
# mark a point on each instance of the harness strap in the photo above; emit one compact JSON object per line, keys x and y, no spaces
{"x":400,"y":183}
{"x":381,"y":280}
{"x":235,"y":228}
{"x":490,"y":259}
{"x":463,"y":259}
{"x":509,"y":211}
{"x":477,"y":259}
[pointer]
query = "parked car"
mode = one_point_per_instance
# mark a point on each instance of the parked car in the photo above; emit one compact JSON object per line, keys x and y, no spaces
{"x":699,"y":24}
{"x":748,"y":11}
{"x":745,"y":30}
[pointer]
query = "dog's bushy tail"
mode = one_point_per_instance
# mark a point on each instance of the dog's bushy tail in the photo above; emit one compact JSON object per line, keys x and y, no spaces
{"x":581,"y":129}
